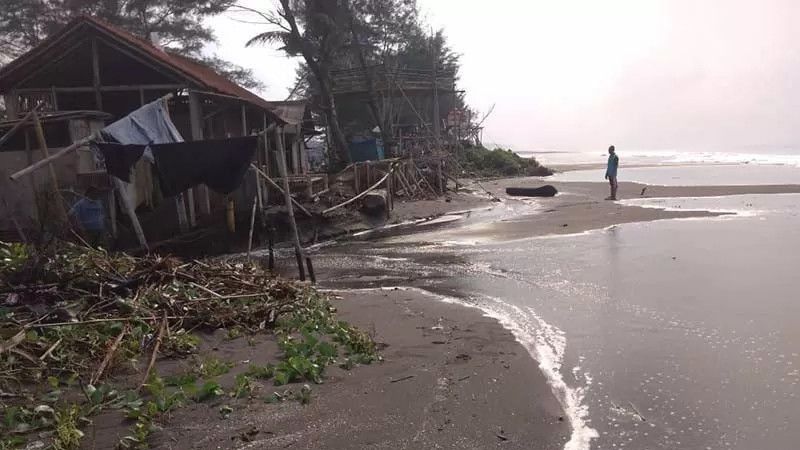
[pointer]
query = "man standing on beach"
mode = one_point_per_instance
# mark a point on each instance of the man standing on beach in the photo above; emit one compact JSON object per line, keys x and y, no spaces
{"x":611,"y":172}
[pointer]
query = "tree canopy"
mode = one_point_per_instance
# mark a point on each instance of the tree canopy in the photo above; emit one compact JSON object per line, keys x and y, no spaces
{"x":179,"y":24}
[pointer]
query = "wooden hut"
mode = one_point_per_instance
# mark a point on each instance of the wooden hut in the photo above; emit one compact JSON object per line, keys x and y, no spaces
{"x":91,"y":73}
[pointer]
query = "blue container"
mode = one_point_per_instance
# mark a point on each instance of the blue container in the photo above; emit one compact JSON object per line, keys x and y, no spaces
{"x":366,"y":149}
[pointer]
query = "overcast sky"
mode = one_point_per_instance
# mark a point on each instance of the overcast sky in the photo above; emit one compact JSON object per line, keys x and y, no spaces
{"x":582,"y":74}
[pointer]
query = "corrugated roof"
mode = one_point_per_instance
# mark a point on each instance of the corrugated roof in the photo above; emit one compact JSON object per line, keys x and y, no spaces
{"x":291,"y":111}
{"x":200,"y":75}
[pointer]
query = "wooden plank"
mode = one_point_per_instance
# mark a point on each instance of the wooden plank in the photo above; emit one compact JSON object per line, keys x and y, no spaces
{"x":115,"y":88}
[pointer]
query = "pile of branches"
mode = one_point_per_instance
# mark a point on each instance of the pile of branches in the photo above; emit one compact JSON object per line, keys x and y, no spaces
{"x":76,"y":311}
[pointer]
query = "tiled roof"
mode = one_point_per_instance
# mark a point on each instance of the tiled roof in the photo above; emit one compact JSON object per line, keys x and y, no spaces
{"x":202,"y":76}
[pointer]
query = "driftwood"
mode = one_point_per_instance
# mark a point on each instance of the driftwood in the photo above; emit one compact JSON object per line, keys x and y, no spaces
{"x":543,"y":191}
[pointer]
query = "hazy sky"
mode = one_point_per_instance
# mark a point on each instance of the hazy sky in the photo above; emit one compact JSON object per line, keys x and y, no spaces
{"x":582,"y":74}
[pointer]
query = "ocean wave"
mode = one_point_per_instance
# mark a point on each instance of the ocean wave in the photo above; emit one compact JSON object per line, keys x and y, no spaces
{"x":546,"y":344}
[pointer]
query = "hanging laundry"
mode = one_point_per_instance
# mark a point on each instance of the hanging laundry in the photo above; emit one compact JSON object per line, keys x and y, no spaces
{"x":120,"y":158}
{"x":149,"y":124}
{"x":218,"y":163}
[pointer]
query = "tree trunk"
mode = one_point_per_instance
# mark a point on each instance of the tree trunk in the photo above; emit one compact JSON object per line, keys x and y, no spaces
{"x":322,"y":74}
{"x":385,"y":128}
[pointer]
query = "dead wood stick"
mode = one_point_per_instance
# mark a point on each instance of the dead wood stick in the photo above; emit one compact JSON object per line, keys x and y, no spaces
{"x":50,"y":350}
{"x":110,"y":319}
{"x":154,"y":355}
{"x":372,"y":188}
{"x":109,"y":354}
{"x":201,"y":287}
{"x":13,"y":341}
{"x":280,"y":189}
{"x":407,"y":377}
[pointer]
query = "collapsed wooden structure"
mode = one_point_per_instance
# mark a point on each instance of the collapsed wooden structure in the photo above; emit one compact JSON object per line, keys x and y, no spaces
{"x":90,"y":74}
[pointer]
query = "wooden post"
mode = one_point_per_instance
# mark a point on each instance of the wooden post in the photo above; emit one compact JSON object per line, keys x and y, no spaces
{"x":112,"y":213}
{"x":439,"y":177}
{"x":252,"y":225}
{"x":196,"y":123}
{"x":356,"y":185}
{"x":54,"y":98}
{"x":12,"y":107}
{"x":244,"y":120}
{"x":231,"y":215}
{"x":281,"y":160}
{"x":53,"y":178}
{"x":190,"y":201}
{"x":98,"y":98}
{"x":369,"y":172}
{"x":180,"y":207}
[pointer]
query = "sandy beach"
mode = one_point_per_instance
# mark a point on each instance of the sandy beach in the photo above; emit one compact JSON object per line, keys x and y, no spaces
{"x":450,"y":378}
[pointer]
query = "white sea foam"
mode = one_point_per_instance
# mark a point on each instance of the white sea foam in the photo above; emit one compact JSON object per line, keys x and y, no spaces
{"x":546,"y":343}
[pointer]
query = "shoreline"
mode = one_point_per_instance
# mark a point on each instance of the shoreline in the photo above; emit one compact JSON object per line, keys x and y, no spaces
{"x":451,"y":377}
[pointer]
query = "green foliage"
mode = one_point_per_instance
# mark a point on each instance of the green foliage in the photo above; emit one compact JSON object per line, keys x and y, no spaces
{"x":209,"y":391}
{"x":499,"y":162}
{"x":180,"y":343}
{"x":242,"y":387}
{"x":212,"y":367}
{"x":303,"y":396}
{"x":12,"y":257}
{"x":261,"y":372}
{"x":67,"y":434}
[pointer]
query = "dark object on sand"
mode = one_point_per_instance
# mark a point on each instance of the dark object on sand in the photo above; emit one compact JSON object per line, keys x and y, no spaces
{"x":544,"y":191}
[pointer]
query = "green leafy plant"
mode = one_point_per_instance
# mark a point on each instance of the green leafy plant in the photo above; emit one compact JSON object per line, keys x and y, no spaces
{"x":67,"y":434}
{"x":212,"y":367}
{"x":209,"y":391}
{"x":261,"y":372}
{"x":242,"y":386}
{"x":303,"y":396}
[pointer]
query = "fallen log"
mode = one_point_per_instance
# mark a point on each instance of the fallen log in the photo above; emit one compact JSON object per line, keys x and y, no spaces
{"x":543,"y":191}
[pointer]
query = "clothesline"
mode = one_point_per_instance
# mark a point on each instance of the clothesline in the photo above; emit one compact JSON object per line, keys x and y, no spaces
{"x":74,"y":146}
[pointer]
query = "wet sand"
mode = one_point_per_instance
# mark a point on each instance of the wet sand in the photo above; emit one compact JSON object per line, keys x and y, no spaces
{"x":581,"y":207}
{"x":450,"y":378}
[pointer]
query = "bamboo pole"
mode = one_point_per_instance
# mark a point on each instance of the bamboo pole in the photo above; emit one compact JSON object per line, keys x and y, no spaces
{"x":18,"y":125}
{"x":280,"y":189}
{"x":252,"y":225}
{"x":373,"y":187}
{"x":71,"y":148}
{"x":281,"y":159}
{"x":46,"y":154}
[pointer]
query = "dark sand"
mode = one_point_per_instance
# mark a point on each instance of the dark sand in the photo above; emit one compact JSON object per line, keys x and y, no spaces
{"x":450,"y":378}
{"x":581,"y":207}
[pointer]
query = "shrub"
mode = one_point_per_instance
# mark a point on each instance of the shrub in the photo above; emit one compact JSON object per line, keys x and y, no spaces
{"x":500,"y":162}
